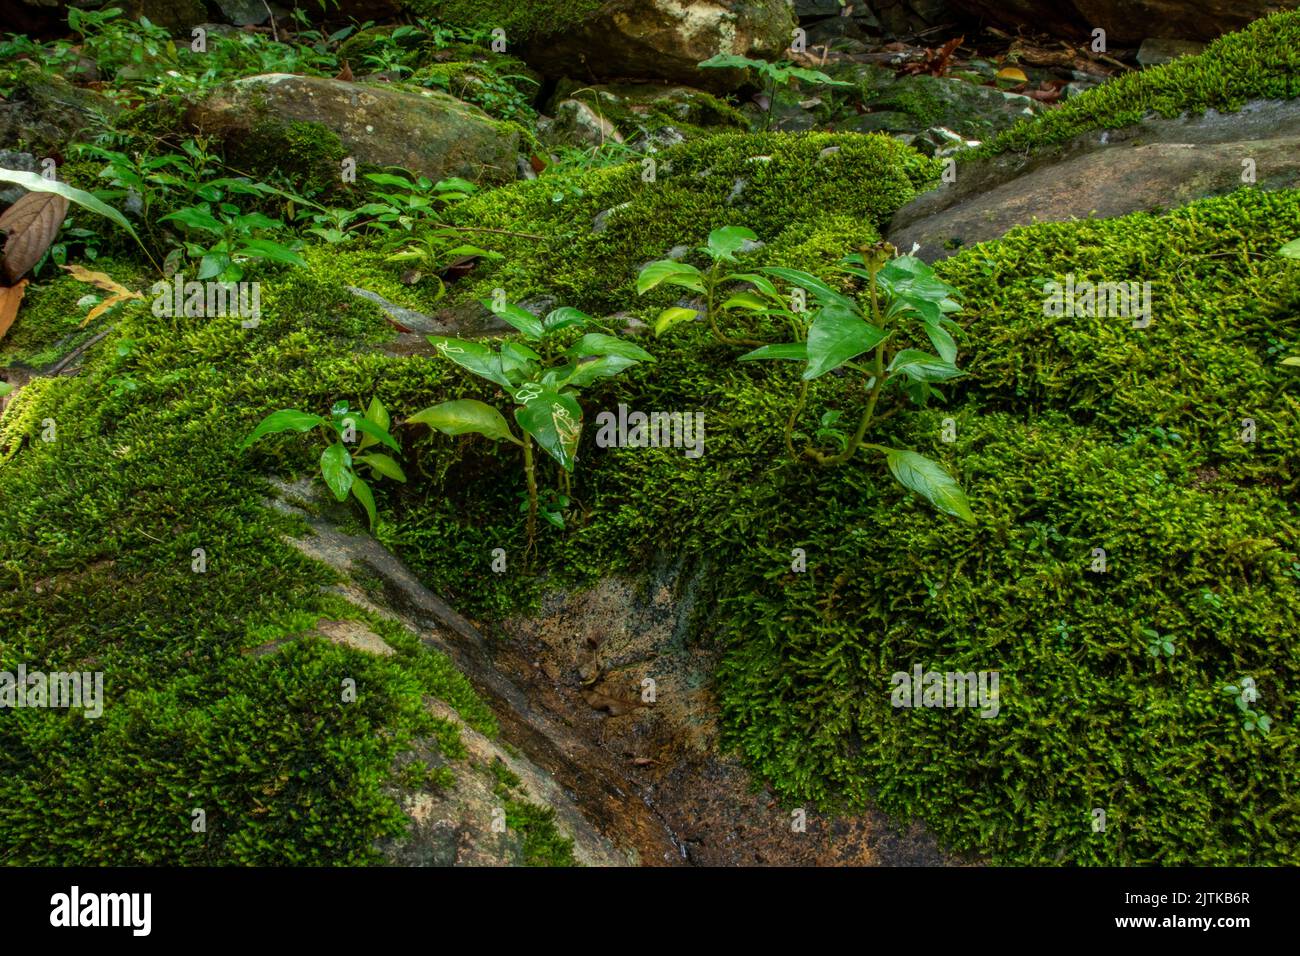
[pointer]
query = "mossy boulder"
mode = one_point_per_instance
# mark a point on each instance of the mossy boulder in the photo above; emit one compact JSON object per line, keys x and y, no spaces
{"x":1261,"y":62}
{"x":664,"y":40}
{"x":1157,"y":164}
{"x":913,"y":104}
{"x":428,"y":132}
{"x":643,"y":115}
{"x":45,"y":113}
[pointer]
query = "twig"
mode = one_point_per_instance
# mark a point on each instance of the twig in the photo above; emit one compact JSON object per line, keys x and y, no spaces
{"x":77,"y":352}
{"x":275,"y":34}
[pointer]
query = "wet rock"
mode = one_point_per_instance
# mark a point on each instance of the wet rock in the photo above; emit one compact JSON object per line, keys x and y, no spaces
{"x":1154,"y":51}
{"x":428,"y":132}
{"x":666,"y":39}
{"x":1125,"y":21}
{"x":641,"y":114}
{"x":45,"y":113}
{"x":1157,"y":164}
{"x":577,"y":124}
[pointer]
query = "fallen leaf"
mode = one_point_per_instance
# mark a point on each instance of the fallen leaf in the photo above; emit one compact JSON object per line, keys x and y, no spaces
{"x":11,"y":296}
{"x":345,"y":74}
{"x":936,"y":62}
{"x":31,"y":225}
{"x":1010,"y":74}
{"x":117,"y":293}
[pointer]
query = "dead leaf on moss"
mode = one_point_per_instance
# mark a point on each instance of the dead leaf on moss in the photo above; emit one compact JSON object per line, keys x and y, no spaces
{"x":11,"y":296}
{"x":116,"y":292}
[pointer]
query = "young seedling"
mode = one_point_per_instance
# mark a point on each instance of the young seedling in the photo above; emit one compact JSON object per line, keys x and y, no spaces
{"x":337,"y":464}
{"x":775,"y":75}
{"x":1245,"y":695}
{"x":721,"y":248}
{"x":903,"y":296}
{"x":1157,"y":645}
{"x":544,"y":387}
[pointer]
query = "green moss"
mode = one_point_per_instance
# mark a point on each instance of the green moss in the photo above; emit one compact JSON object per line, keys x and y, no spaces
{"x":542,"y":843}
{"x":307,"y":155}
{"x":1072,"y":434}
{"x":520,"y":20}
{"x":649,"y":109}
{"x":598,"y":228}
{"x":1259,"y":62}
{"x":96,"y":574}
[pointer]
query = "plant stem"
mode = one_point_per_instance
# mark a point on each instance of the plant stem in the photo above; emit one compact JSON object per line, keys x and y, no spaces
{"x":531,"y":476}
{"x":877,"y":383}
{"x":711,"y":281}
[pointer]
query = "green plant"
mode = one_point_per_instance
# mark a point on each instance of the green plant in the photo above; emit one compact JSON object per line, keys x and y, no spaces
{"x":1243,"y":696}
{"x":233,"y":240}
{"x":902,"y":295}
{"x":778,"y":74}
{"x":545,"y":388}
{"x":721,"y":248}
{"x":37,"y":183}
{"x":1158,"y":645}
{"x":114,"y":43}
{"x":337,"y":464}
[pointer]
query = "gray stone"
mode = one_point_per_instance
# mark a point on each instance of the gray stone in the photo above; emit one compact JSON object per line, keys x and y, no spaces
{"x":1155,"y":51}
{"x":1157,"y":164}
{"x":428,"y":132}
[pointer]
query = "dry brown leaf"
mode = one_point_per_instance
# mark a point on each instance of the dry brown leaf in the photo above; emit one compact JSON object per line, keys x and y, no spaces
{"x":31,"y":225}
{"x":117,"y":292}
{"x":11,"y":296}
{"x":345,"y":74}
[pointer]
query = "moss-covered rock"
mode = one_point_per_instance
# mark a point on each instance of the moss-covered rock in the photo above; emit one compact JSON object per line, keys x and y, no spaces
{"x":1260,"y":62}
{"x":644,"y":115}
{"x":45,"y":113}
{"x":427,"y":132}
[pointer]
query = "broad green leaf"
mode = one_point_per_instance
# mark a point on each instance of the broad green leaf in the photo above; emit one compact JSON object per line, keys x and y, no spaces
{"x":1291,"y":360}
{"x":595,"y":343}
{"x":553,"y":419}
{"x":34,"y":182}
{"x":266,"y":249}
{"x":362,"y":492}
{"x":928,"y":479}
{"x":564,"y":317}
{"x":527,"y":323}
{"x":724,"y":243}
{"x":813,"y":285}
{"x":586,"y":372}
{"x":922,"y":366}
{"x":792,"y":351}
{"x":367,"y":427}
{"x":1291,"y":250}
{"x":5,"y":388}
{"x":196,"y":217}
{"x":674,"y":273}
{"x":466,"y":415}
{"x":838,"y":335}
{"x":378,"y":414}
{"x":287,"y":419}
{"x":476,"y":357}
{"x":747,"y":300}
{"x":336,"y":469}
{"x":762,"y":283}
{"x":388,"y":179}
{"x":731,"y":61}
{"x":942,"y":341}
{"x":517,"y":357}
{"x":674,"y":316}
{"x":383,"y":465}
